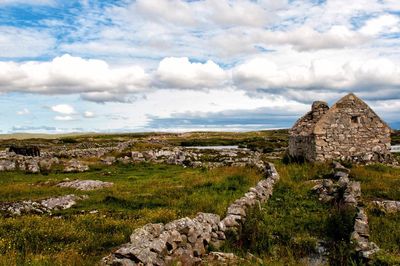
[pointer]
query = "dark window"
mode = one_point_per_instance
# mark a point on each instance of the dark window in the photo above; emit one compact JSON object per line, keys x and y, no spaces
{"x":355,"y":119}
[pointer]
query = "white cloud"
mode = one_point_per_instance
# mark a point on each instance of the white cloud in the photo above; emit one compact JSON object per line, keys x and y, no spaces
{"x":182,"y":74}
{"x":88,"y":114}
{"x":17,"y":42}
{"x":68,"y":74}
{"x":63,"y":109}
{"x":384,"y":23}
{"x":24,"y":111}
{"x":323,"y":71}
{"x":174,"y":11}
{"x":63,"y":118}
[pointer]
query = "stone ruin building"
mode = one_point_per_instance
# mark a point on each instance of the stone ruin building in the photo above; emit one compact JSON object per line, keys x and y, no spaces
{"x":349,"y":130}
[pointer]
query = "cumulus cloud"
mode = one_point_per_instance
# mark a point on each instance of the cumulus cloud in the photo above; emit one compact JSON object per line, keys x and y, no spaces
{"x":68,"y":74}
{"x":182,"y":74}
{"x":63,"y":109}
{"x":307,"y":73}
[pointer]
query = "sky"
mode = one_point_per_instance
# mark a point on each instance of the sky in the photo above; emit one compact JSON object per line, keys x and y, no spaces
{"x":174,"y":65}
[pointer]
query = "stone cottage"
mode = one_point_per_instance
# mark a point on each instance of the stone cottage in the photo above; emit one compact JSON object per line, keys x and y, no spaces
{"x":349,"y":130}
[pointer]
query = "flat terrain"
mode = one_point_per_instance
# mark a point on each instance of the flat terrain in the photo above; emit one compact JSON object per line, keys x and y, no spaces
{"x":285,"y":231}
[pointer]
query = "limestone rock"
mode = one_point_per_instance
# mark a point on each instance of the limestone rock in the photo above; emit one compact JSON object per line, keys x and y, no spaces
{"x":387,"y":206}
{"x":75,"y":166}
{"x":85,"y":185}
{"x":40,"y":207}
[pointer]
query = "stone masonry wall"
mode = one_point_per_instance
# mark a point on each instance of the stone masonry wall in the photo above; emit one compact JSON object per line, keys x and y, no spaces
{"x":352,"y":131}
{"x":301,"y":137}
{"x":302,"y":147}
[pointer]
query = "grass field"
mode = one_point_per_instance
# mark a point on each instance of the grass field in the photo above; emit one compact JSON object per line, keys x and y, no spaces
{"x":283,"y":232}
{"x":141,"y":194}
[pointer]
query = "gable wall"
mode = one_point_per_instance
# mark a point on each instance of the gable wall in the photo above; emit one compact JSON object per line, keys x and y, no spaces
{"x":351,"y":131}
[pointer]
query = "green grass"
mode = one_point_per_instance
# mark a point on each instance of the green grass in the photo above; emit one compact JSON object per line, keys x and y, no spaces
{"x":378,"y":181}
{"x":141,"y":194}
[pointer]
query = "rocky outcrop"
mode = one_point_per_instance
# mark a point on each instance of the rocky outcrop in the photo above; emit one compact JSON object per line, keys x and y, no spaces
{"x":187,"y":240}
{"x":85,"y":185}
{"x":39,"y":207}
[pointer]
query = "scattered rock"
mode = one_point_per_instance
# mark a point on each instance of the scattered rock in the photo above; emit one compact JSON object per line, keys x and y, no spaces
{"x":220,"y":258}
{"x":7,"y":165}
{"x":85,"y":185}
{"x":387,"y":206}
{"x":75,"y":166}
{"x":110,"y":160}
{"x":39,"y":207}
{"x":61,"y":203}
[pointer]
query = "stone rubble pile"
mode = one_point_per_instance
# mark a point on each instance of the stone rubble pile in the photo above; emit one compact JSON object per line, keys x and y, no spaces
{"x":387,"y":206}
{"x":39,"y":207}
{"x":187,"y":240}
{"x":85,"y":185}
{"x":340,"y":188}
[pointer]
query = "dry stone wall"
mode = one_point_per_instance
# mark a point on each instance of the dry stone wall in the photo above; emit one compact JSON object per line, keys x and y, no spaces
{"x":186,"y":157}
{"x":348,"y":193}
{"x":187,"y":240}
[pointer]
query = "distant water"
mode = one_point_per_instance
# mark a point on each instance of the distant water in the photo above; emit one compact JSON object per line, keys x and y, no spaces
{"x":395,"y":148}
{"x":232,"y":147}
